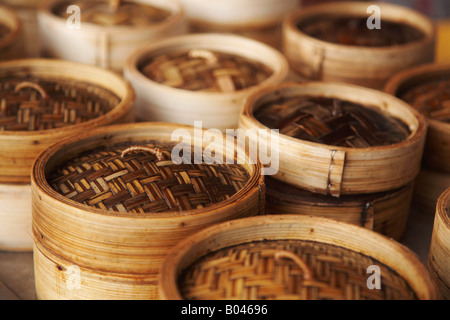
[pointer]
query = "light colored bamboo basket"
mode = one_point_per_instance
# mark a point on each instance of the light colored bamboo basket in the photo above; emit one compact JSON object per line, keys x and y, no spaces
{"x":218,"y":109}
{"x":437,"y":146}
{"x":384,"y":212}
{"x":439,"y":255}
{"x":362,"y":65}
{"x":11,"y":38}
{"x":105,"y":44}
{"x":340,"y":170}
{"x":256,"y":19}
{"x":144,"y":205}
{"x":291,"y":257}
{"x":27,"y":13}
{"x":30,"y":123}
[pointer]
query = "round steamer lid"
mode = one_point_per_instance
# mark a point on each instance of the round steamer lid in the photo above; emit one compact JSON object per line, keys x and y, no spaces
{"x":292,"y":257}
{"x":332,"y":121}
{"x":352,"y":30}
{"x":205,"y":70}
{"x":116,"y":12}
{"x":288,"y":269}
{"x":142,"y":178}
{"x":33,"y":103}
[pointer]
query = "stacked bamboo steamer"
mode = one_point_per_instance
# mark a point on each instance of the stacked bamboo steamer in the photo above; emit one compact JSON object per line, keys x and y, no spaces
{"x":109,"y":31}
{"x":327,"y":150}
{"x":333,"y":42}
{"x":27,"y":13}
{"x":293,"y":257}
{"x":439,"y":254}
{"x":112,"y":202}
{"x":42,"y":102}
{"x":424,"y":88}
{"x":201,"y":77}
{"x":256,"y":19}
{"x":11,"y":34}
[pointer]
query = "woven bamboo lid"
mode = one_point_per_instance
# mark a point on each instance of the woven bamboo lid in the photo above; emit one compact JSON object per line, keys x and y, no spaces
{"x":332,"y":121}
{"x":205,"y":70}
{"x":292,"y":257}
{"x":141,"y":178}
{"x":45,"y":100}
{"x":116,"y":12}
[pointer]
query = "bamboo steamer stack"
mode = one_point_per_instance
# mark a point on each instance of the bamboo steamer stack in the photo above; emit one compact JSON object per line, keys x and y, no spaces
{"x":293,"y":257}
{"x":11,"y":34}
{"x":201,"y":77}
{"x":439,"y":255}
{"x":426,"y":89}
{"x":27,"y":13}
{"x":353,"y":152}
{"x":109,"y":31}
{"x":112,"y":202}
{"x":42,"y":102}
{"x":333,"y":42}
{"x":256,"y":19}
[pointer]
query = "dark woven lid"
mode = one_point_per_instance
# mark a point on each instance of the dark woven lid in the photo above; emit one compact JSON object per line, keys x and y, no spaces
{"x":29,"y":104}
{"x":353,"y":31}
{"x":432,"y":98}
{"x":130,"y":179}
{"x":205,"y":70}
{"x":115,"y":13}
{"x":332,"y":121}
{"x":288,"y":269}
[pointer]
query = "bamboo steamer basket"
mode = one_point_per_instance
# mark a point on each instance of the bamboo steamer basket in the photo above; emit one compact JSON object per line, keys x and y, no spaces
{"x":384,"y":212}
{"x":121,"y":239}
{"x":29,"y":127}
{"x":11,"y":39}
{"x":291,"y":257}
{"x":256,"y":19}
{"x":105,"y":44}
{"x":341,"y":170}
{"x":217,"y":109}
{"x":27,"y":13}
{"x":437,"y":146}
{"x":363,"y":65}
{"x":439,"y":255}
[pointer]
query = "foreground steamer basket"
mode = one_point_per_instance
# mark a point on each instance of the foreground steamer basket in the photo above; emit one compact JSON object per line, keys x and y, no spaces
{"x":11,"y":34}
{"x":156,"y":101}
{"x":383,"y":212}
{"x":439,"y":255}
{"x":333,"y":169}
{"x":292,"y":257}
{"x":115,"y":214}
{"x":44,"y":101}
{"x":110,"y":29}
{"x":365,"y":64}
{"x":256,"y":19}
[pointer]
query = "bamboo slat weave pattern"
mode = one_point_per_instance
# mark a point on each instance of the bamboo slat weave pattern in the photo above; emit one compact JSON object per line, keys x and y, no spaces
{"x":431,"y":98}
{"x":205,"y":70}
{"x":332,"y":122}
{"x":140,"y":183}
{"x":353,"y":31}
{"x":251,"y":272}
{"x":115,"y":13}
{"x":28,"y":104}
